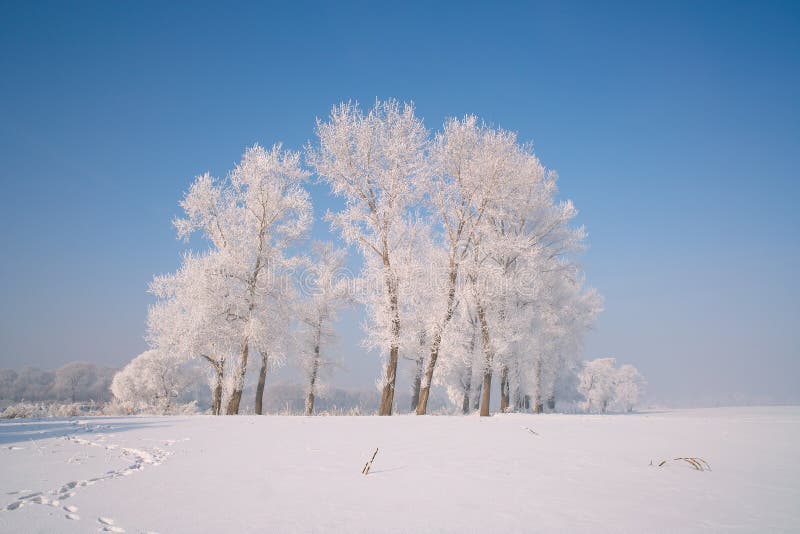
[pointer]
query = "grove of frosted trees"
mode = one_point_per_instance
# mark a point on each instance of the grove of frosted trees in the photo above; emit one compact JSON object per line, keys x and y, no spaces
{"x":469,"y":272}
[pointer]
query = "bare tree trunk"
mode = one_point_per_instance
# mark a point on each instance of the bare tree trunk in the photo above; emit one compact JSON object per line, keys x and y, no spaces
{"x":519,"y":395}
{"x":216,"y":403}
{"x":420,"y":363}
{"x":519,"y":400}
{"x":538,"y":406}
{"x":422,"y":404}
{"x":262,"y":378}
{"x":241,"y":369}
{"x":468,"y":379}
{"x":467,"y":391}
{"x":312,"y":380}
{"x":505,"y":396}
{"x":167,"y":394}
{"x":486,"y":388}
{"x":216,"y":392}
{"x":387,"y":397}
{"x":551,"y":402}
{"x":417,"y":385}
{"x":216,"y":406}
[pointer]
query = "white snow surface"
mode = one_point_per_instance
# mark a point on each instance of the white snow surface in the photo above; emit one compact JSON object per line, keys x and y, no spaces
{"x":507,"y":473}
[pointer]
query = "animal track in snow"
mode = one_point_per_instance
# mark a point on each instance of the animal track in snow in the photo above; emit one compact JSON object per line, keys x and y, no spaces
{"x":74,"y":517}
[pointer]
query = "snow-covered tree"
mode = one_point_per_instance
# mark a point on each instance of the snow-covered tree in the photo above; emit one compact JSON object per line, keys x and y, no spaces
{"x":8,"y":378}
{"x":471,"y":180}
{"x":418,"y":260}
{"x":560,"y":318}
{"x":459,"y":367}
{"x":596,"y":382}
{"x":193,"y":319}
{"x":250,"y":218}
{"x":525,"y":237}
{"x":150,"y":382}
{"x":327,"y":292}
{"x":32,"y":384}
{"x":74,"y":380}
{"x":628,"y":387}
{"x":375,"y":161}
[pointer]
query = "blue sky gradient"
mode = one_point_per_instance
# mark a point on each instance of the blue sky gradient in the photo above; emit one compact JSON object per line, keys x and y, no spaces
{"x":674,"y":129}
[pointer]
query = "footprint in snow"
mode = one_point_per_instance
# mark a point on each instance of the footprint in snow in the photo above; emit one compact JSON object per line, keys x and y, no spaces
{"x":71,"y":508}
{"x":14,"y":505}
{"x":108,"y":525}
{"x":74,"y":517}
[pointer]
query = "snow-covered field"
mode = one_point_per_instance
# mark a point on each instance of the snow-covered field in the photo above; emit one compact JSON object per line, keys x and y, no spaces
{"x":508,"y":473}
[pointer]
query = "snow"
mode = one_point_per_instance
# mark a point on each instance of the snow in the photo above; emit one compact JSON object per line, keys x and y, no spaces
{"x":507,"y":473}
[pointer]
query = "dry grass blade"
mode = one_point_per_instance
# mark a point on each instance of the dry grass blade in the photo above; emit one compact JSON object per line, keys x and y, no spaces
{"x":697,"y":463}
{"x":368,"y":465}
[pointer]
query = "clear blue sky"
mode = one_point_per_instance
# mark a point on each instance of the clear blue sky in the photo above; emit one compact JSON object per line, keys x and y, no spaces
{"x":674,"y":128}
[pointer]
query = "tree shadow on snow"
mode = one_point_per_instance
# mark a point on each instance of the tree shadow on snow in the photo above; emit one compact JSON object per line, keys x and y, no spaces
{"x":27,"y":430}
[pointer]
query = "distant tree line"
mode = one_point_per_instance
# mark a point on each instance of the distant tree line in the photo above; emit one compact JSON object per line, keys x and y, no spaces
{"x":74,"y":382}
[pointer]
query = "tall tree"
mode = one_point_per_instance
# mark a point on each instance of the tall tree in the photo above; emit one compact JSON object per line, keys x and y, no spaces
{"x":250,"y":218}
{"x":375,"y":161}
{"x":470,"y":180}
